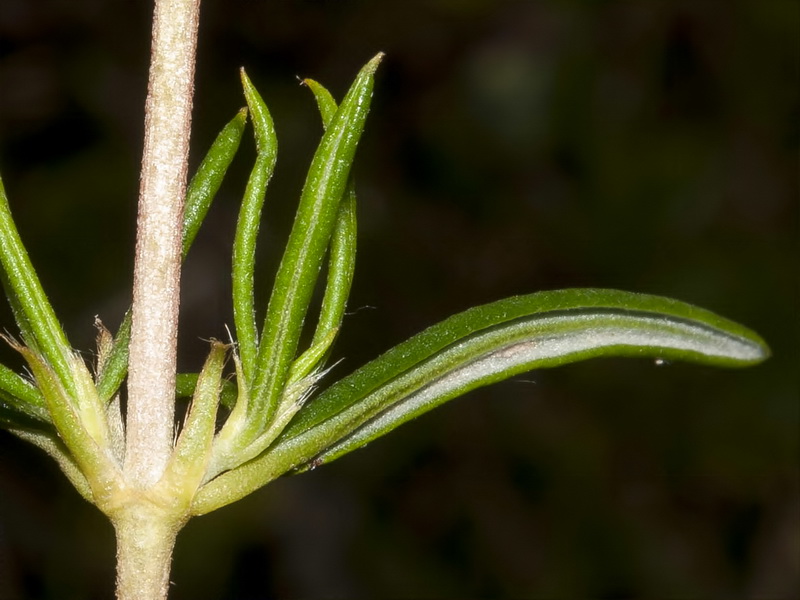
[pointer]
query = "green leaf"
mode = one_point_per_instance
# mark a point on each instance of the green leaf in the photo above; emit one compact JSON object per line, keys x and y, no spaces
{"x":200,"y":194}
{"x":20,"y":388}
{"x":244,"y":245}
{"x":341,"y":263}
{"x":80,"y":421}
{"x":341,"y":267}
{"x":115,"y":367}
{"x":325,"y":102}
{"x":185,"y":384}
{"x":308,"y":241}
{"x":16,"y":414}
{"x":189,"y":460}
{"x":35,"y":317}
{"x":207,"y":180}
{"x":15,"y":411}
{"x":56,"y":449}
{"x":481,"y":346}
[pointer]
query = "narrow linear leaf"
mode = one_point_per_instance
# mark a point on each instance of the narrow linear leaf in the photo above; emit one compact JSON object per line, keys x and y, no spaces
{"x":38,"y":321}
{"x":341,"y":268}
{"x":189,"y":460}
{"x":341,"y":263}
{"x":481,"y":346}
{"x":244,"y":245}
{"x":309,"y":360}
{"x":207,"y":180}
{"x":16,"y":385}
{"x":14,"y":414}
{"x":200,"y":194}
{"x":325,"y":102}
{"x":15,"y":410}
{"x":55,"y":448}
{"x":185,"y":384}
{"x":342,"y":260}
{"x":115,"y":367}
{"x":229,"y":443}
{"x":308,"y":241}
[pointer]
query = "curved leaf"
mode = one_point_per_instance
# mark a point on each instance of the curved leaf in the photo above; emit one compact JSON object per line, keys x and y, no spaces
{"x":32,"y":310}
{"x":481,"y":346}
{"x":308,"y":242}
{"x":244,"y":245}
{"x":207,"y":180}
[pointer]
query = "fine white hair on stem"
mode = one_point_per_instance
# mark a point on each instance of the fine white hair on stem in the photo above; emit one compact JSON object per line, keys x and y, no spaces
{"x":151,"y":382}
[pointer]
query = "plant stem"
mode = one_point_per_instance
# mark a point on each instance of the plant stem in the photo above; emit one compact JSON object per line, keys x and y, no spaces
{"x":145,"y":538}
{"x":151,"y":381}
{"x":145,"y":530}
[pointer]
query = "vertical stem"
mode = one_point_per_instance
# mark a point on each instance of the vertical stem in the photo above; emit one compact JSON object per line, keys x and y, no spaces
{"x":151,"y":381}
{"x":145,"y":538}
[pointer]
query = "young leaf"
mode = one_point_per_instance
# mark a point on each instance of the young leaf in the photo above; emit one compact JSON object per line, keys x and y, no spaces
{"x":189,"y":460}
{"x":308,"y":241}
{"x":244,"y":245}
{"x":207,"y":180}
{"x":342,"y":259}
{"x":481,"y":346}
{"x":80,"y":422}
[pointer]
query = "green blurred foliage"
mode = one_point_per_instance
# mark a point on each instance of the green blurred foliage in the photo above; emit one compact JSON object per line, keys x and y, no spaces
{"x":513,"y":146}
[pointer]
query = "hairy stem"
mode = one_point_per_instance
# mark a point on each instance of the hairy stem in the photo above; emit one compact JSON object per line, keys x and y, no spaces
{"x":145,"y":538}
{"x":151,"y":382}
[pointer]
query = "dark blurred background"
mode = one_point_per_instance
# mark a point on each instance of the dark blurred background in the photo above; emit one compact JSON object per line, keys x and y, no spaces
{"x":512,"y":147}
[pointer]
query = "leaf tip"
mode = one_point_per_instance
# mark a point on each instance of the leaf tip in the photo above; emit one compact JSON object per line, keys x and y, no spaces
{"x":372,"y":65}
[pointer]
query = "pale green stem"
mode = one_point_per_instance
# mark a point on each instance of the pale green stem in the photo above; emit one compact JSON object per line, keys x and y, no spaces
{"x":145,"y":538}
{"x":145,"y":529}
{"x":151,"y":380}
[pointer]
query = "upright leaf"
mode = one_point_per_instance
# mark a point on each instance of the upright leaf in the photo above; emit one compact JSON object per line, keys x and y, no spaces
{"x":199,"y":195}
{"x":308,"y":241}
{"x":36,"y":318}
{"x":244,"y":245}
